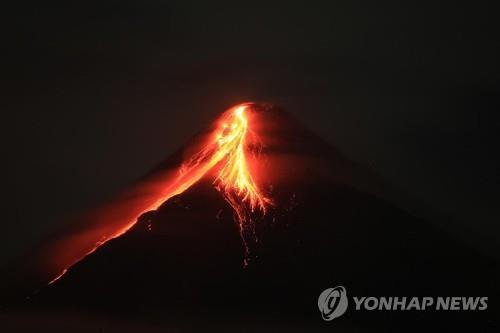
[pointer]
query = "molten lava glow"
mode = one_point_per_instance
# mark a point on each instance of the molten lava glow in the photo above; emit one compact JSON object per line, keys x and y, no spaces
{"x":226,"y":149}
{"x":234,"y":177}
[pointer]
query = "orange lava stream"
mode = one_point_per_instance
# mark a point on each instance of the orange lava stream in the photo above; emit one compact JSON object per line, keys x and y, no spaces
{"x":227,"y":145}
{"x":234,"y":180}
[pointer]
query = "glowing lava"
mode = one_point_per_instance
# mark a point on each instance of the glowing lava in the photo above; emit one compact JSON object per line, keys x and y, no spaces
{"x":234,"y":177}
{"x":225,"y":151}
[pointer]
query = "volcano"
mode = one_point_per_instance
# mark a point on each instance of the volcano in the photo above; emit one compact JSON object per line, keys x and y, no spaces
{"x":246,"y":226}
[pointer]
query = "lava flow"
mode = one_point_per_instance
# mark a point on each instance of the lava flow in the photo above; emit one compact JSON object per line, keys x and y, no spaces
{"x":225,"y":151}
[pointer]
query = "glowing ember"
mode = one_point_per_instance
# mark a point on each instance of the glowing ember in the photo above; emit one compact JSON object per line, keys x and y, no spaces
{"x":227,"y":149}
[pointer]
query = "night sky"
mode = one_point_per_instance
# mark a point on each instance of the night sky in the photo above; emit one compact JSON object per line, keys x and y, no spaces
{"x":96,"y":93}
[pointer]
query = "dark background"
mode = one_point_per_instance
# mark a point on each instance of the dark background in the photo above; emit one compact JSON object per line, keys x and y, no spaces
{"x":95,"y":93}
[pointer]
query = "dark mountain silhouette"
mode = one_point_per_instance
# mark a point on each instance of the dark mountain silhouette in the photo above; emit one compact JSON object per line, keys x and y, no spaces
{"x":185,"y":261}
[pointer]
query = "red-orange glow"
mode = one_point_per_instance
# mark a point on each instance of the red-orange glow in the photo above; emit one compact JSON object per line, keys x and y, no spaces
{"x":225,"y":151}
{"x":234,"y":177}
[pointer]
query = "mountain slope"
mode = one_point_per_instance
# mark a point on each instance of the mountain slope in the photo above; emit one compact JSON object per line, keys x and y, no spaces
{"x":191,"y":256}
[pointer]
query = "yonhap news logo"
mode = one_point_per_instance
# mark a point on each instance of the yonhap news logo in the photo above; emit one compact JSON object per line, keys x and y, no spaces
{"x":333,"y":303}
